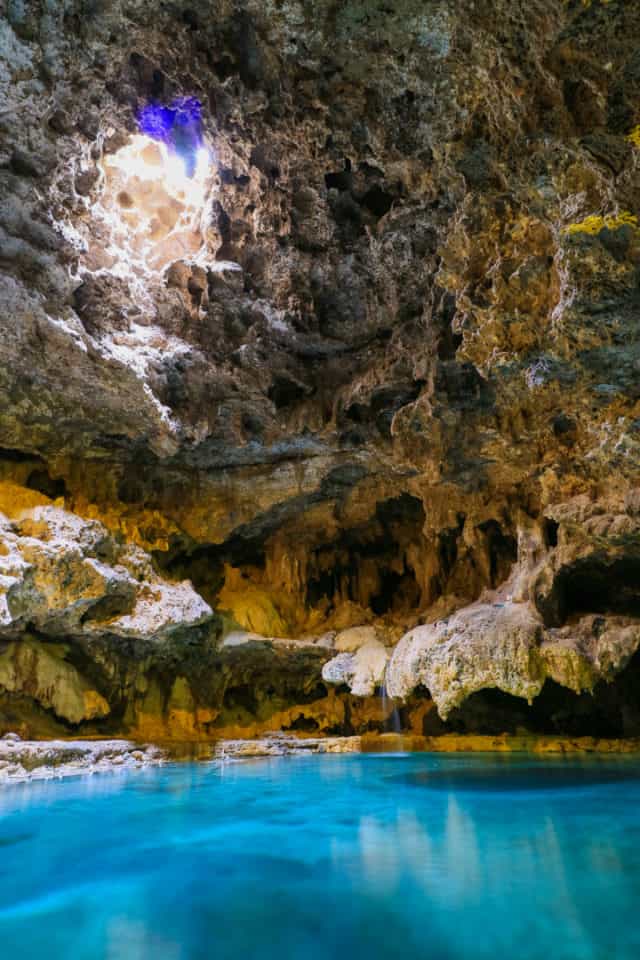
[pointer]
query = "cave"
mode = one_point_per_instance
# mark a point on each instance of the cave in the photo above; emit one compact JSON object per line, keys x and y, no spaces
{"x":52,"y":487}
{"x":369,"y":564}
{"x":502,"y":551}
{"x":377,"y":200}
{"x":398,"y":591}
{"x":229,"y":317}
{"x":593,"y":585}
{"x":611,"y":710}
{"x":319,"y":431}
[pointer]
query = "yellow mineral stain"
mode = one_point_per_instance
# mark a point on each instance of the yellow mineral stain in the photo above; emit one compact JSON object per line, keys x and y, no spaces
{"x":15,"y":499}
{"x":593,"y":224}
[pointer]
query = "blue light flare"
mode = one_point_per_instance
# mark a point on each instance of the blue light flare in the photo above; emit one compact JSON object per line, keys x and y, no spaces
{"x":178,"y":125}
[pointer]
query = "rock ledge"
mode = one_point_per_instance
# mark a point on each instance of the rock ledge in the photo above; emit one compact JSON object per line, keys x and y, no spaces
{"x":23,"y":760}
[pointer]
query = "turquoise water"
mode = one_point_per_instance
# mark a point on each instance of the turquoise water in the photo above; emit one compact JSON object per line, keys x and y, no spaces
{"x":424,"y":856}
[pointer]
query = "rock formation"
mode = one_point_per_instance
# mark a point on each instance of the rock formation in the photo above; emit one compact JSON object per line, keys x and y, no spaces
{"x":314,"y":319}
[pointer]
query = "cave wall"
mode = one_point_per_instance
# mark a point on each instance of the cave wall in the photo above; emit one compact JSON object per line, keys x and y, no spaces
{"x":410,"y":340}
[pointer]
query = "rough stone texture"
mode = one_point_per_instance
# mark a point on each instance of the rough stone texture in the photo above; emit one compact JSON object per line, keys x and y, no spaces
{"x":504,"y":646}
{"x":484,"y":645}
{"x":349,"y":641}
{"x":281,"y":746}
{"x":362,"y":671}
{"x":34,"y":669}
{"x":450,"y":743}
{"x":22,"y":760}
{"x":396,"y":373}
{"x":66,"y":577}
{"x":506,"y":640}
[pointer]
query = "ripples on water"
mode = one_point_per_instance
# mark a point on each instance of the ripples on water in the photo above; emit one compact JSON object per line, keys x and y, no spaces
{"x":441,"y":857}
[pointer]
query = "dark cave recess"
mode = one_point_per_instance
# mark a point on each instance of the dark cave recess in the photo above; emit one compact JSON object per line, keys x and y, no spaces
{"x":595,"y":584}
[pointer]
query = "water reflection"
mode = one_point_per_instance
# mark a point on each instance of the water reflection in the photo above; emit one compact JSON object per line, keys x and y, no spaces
{"x":133,"y":941}
{"x":376,"y":857}
{"x":471,"y":856}
{"x":390,"y":853}
{"x":505,"y":777}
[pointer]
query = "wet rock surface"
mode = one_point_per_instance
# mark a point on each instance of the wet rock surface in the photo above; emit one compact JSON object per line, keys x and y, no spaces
{"x":27,"y":761}
{"x":282,"y":746}
{"x":378,"y":371}
{"x":22,"y":760}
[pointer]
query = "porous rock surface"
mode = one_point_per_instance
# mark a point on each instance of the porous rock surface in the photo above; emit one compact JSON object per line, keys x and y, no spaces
{"x":393,"y":385}
{"x":65,"y":577}
{"x":362,"y":671}
{"x":22,"y":761}
{"x":283,"y":746}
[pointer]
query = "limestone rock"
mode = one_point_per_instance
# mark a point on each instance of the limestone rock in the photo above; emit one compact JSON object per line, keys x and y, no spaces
{"x":39,"y":671}
{"x":505,"y":646}
{"x":349,"y":641}
{"x":23,"y":760}
{"x":64,"y":576}
{"x":386,"y":374}
{"x":283,"y":746}
{"x":363,"y":671}
{"x":592,"y":649}
{"x":484,"y":645}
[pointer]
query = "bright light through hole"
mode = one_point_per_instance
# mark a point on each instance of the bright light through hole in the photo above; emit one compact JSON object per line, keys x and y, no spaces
{"x":145,"y":159}
{"x":154,"y":206}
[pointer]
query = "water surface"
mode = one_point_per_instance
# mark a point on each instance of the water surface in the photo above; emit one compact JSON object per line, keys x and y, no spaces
{"x":423,"y":856}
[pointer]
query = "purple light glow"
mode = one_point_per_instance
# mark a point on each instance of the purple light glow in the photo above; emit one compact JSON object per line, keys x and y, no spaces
{"x":178,"y":125}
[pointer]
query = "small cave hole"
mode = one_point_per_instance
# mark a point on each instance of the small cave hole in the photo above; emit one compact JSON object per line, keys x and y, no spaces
{"x":285,"y":392}
{"x":593,"y":585}
{"x":41,"y":481}
{"x":322,"y":587}
{"x":306,"y":724}
{"x":550,"y":532}
{"x":252,"y":427}
{"x":602,"y":589}
{"x":502,"y":549}
{"x":107,"y":608}
{"x":368,"y":564}
{"x":448,"y":550}
{"x":398,"y":591}
{"x":340,"y":179}
{"x":377,"y":201}
{"x":17,"y":456}
{"x":243,"y":696}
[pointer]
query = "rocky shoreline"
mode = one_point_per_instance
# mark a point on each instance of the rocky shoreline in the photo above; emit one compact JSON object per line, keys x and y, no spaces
{"x":28,"y":760}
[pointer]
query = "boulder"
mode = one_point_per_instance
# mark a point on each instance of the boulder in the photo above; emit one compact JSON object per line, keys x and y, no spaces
{"x":363,"y":671}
